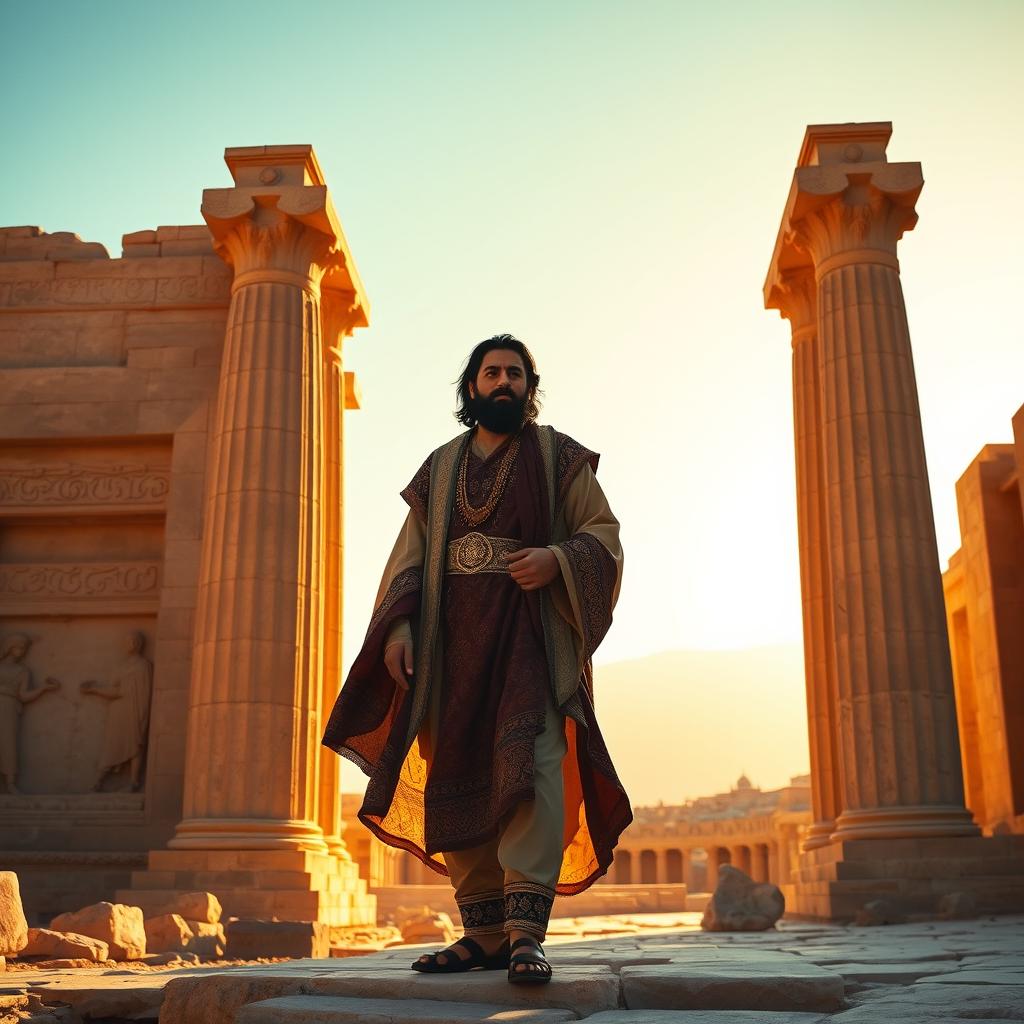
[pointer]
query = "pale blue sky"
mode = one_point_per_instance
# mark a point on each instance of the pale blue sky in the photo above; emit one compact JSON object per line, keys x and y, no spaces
{"x":603,"y":179}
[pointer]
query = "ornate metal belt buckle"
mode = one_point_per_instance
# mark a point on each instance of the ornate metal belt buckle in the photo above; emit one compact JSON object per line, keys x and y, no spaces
{"x":473,"y":552}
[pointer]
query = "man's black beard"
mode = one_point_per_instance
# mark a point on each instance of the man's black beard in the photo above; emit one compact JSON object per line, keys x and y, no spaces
{"x":499,"y":417}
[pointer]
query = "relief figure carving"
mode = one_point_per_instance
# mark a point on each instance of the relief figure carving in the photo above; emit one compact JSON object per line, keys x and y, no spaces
{"x":16,"y":690}
{"x":126,"y":729}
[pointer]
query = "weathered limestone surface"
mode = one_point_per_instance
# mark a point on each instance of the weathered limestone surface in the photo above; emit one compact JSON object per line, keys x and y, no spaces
{"x":705,"y":1017}
{"x":979,"y":960}
{"x":984,"y":592}
{"x":741,"y":904}
{"x":58,"y":945}
{"x":193,"y":906}
{"x":167,"y":933}
{"x":320,"y":1010}
{"x":740,"y":981}
{"x":121,"y":927}
{"x":13,"y":926}
{"x":248,"y":939}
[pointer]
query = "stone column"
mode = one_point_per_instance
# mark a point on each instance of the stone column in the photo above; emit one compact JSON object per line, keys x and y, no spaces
{"x":713,"y":863}
{"x":897,"y":718}
{"x":253,"y":756}
{"x":340,"y":319}
{"x":795,"y":296}
{"x":774,"y":874}
{"x":759,"y":862}
{"x":661,"y":866}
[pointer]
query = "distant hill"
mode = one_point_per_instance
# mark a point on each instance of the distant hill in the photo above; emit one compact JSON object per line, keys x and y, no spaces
{"x":683,"y":724}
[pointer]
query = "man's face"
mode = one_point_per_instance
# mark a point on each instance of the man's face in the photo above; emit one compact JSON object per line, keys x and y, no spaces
{"x":502,"y":376}
{"x":498,"y":396}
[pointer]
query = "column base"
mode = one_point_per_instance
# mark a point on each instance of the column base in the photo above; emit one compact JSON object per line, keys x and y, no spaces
{"x":819,"y":834}
{"x":291,"y":885}
{"x":904,"y":822}
{"x":247,"y":834}
{"x":833,"y":882}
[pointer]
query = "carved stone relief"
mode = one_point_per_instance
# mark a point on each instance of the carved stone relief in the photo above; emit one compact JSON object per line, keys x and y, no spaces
{"x":126,"y":729}
{"x":16,"y":690}
{"x":90,"y":732}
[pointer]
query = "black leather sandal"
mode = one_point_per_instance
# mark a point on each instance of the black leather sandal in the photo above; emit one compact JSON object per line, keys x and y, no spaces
{"x":535,"y":956}
{"x":456,"y":964}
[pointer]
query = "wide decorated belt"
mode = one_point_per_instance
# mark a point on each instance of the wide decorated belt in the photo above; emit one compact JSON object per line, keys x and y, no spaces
{"x":478,"y":553}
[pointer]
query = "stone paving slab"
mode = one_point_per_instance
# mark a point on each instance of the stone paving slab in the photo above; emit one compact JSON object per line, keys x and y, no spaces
{"x":736,"y":983}
{"x":704,"y":1017}
{"x":893,"y":974}
{"x":904,"y":974}
{"x":878,"y":953}
{"x":332,"y":1010}
{"x":979,"y":976}
{"x":584,"y":990}
{"x":929,"y":1001}
{"x":215,"y":999}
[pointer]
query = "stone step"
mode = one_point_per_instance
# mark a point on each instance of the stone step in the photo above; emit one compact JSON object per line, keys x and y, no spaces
{"x":216,"y":998}
{"x":733,"y":979}
{"x":842,"y":899}
{"x":340,"y":909}
{"x":925,"y":868}
{"x":340,"y":1010}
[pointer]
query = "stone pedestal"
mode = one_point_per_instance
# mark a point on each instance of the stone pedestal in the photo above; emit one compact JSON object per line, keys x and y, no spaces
{"x":889,"y":718}
{"x":261,"y":808}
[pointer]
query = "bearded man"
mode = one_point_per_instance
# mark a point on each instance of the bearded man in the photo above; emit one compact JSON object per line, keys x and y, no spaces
{"x":470,"y":704}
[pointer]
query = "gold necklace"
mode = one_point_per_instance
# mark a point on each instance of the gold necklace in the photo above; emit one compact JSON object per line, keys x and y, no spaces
{"x":475,"y":516}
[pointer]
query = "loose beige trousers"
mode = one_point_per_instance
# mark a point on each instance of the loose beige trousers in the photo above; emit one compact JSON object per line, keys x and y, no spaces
{"x":509,"y":882}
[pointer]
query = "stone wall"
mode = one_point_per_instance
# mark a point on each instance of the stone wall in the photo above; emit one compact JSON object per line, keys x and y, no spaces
{"x":984,"y":591}
{"x":108,"y":369}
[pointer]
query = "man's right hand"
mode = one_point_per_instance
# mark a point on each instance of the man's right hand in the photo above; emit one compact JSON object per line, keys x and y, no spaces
{"x":398,"y":662}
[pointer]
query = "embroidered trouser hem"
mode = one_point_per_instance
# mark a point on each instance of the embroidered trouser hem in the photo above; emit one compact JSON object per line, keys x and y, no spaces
{"x":518,"y":870}
{"x":528,"y":907}
{"x":483,"y":913}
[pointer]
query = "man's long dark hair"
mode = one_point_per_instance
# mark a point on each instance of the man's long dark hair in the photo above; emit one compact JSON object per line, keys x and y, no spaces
{"x":472,"y":368}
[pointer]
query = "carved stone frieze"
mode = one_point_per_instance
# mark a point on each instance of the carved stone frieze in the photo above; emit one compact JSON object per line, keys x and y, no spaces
{"x":49,"y":581}
{"x":58,"y":858}
{"x":117,"y":292}
{"x":78,"y":484}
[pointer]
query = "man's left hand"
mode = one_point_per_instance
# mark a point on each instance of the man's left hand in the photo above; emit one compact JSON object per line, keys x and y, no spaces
{"x":533,"y":568}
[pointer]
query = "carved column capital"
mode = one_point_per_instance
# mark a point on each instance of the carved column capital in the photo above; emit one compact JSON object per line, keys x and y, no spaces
{"x":853,"y":213}
{"x":795,"y":296}
{"x":270,"y":237}
{"x":278,"y":224}
{"x":846,"y":204}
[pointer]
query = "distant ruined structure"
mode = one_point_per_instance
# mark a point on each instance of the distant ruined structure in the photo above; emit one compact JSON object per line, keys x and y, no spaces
{"x":984,"y":588}
{"x":887,"y":786}
{"x":170,"y":553}
{"x":667,"y":860}
{"x":755,"y":830}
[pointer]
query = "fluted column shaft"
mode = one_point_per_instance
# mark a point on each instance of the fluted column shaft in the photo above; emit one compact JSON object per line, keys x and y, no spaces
{"x":254,"y":701}
{"x":329,"y":809}
{"x":800,"y":307}
{"x":896,"y":715}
